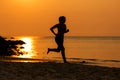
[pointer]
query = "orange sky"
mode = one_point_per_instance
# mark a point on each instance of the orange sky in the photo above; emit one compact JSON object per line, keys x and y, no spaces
{"x":84,"y":17}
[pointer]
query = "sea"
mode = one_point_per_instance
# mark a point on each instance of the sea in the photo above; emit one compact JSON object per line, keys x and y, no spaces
{"x":89,"y":50}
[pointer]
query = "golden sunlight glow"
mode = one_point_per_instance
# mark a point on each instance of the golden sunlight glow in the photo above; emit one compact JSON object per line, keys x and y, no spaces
{"x":24,"y":2}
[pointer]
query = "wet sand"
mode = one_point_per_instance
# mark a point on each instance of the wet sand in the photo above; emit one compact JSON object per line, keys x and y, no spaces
{"x":56,"y":71}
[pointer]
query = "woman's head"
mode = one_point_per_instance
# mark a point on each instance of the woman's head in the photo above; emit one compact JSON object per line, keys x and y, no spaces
{"x":62,"y":19}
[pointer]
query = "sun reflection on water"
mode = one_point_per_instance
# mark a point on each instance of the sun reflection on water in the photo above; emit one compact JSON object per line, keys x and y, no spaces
{"x":27,"y":50}
{"x":28,"y":45}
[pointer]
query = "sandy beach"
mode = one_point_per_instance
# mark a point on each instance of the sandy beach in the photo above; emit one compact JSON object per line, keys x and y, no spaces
{"x":56,"y":71}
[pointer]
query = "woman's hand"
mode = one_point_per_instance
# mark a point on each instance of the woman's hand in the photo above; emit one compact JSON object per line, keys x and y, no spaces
{"x":67,"y":30}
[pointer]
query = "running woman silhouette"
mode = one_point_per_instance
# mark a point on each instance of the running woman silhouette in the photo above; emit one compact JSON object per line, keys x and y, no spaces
{"x":59,"y":36}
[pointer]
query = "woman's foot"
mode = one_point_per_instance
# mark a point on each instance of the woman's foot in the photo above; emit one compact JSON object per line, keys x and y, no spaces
{"x":48,"y":51}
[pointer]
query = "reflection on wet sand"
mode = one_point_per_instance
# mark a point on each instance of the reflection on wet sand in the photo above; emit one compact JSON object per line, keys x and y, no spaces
{"x":97,"y":62}
{"x":21,"y":59}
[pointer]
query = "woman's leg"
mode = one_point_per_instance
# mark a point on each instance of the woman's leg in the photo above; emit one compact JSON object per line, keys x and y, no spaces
{"x":61,"y":47}
{"x":63,"y":55}
{"x":57,"y":40}
{"x":53,"y":49}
